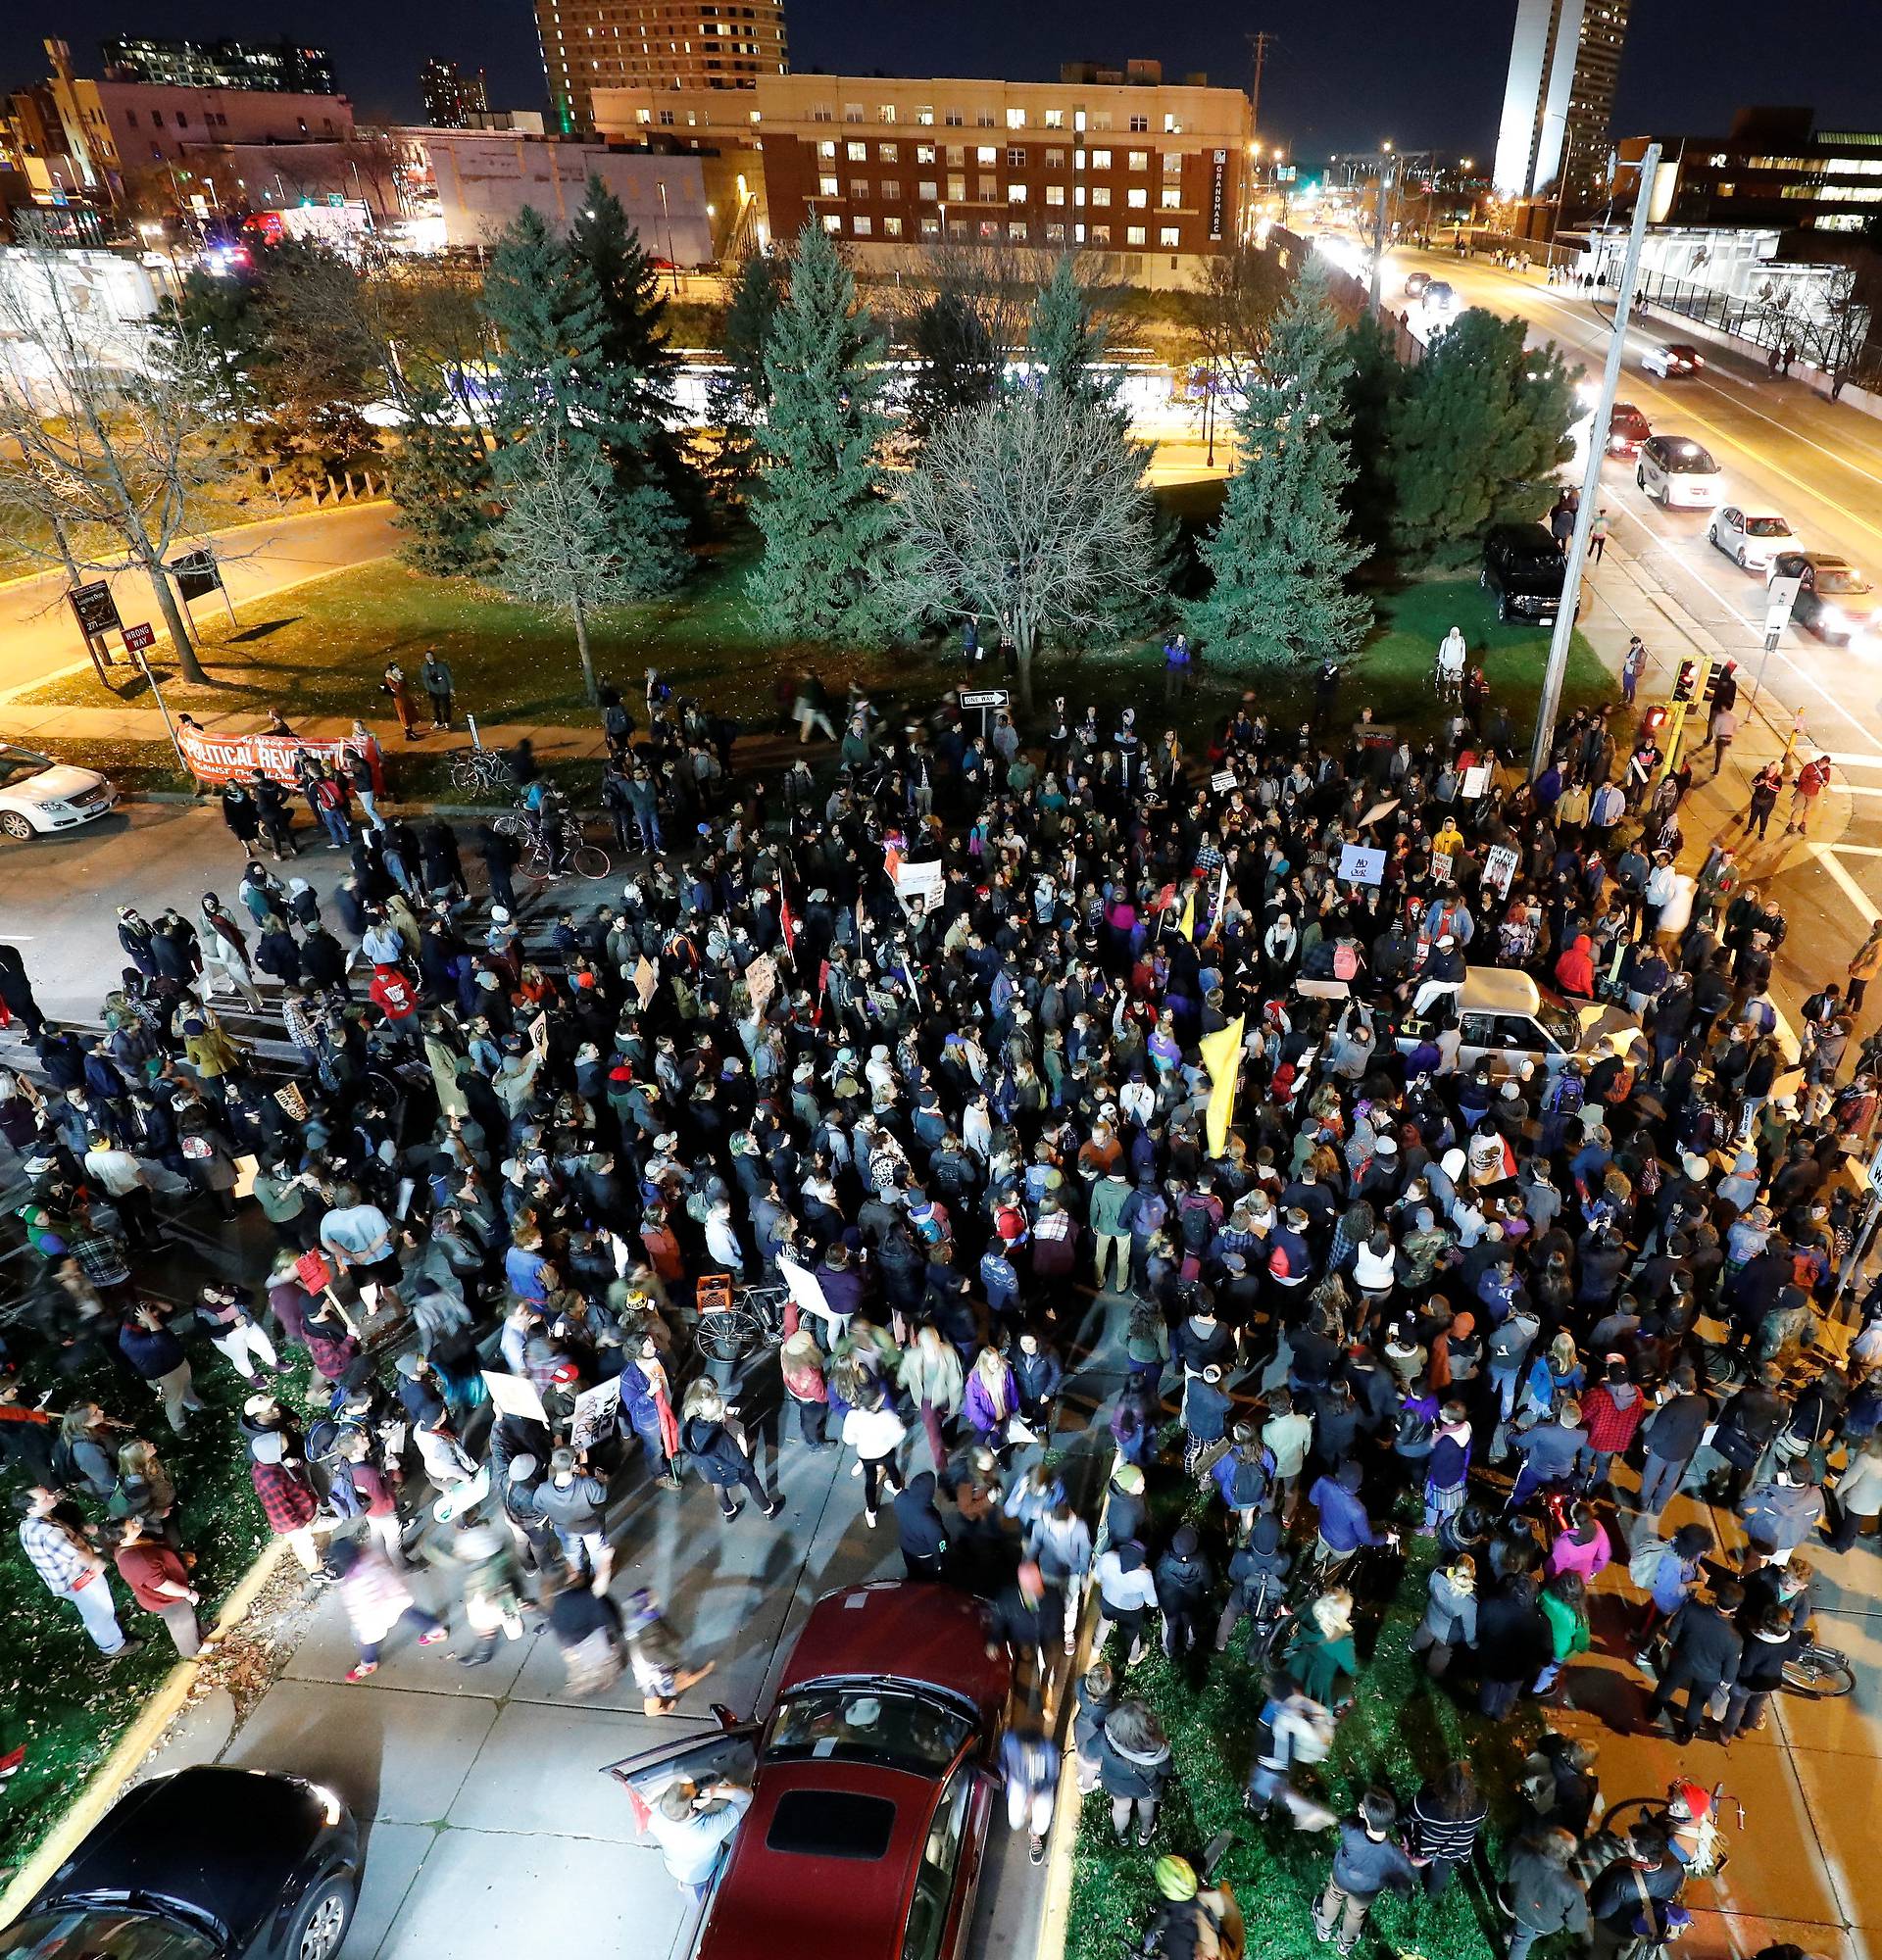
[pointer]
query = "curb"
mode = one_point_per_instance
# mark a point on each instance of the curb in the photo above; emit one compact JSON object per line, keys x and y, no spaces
{"x":105,"y":1784}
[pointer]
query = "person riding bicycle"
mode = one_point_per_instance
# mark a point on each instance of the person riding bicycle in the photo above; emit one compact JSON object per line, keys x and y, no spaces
{"x":1195,"y":1921}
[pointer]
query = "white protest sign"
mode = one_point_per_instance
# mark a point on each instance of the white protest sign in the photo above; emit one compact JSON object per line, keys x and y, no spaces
{"x":1222,"y":781}
{"x":597,"y":1411}
{"x":1499,"y":867}
{"x":920,"y":881}
{"x":801,"y":1283}
{"x":761,"y":976}
{"x":1361,"y":866}
{"x":1476,"y":779}
{"x":515,"y":1395}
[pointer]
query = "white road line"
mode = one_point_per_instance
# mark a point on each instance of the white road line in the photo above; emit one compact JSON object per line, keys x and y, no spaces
{"x":1856,"y":850}
{"x":1825,"y":854}
{"x":1849,"y":758}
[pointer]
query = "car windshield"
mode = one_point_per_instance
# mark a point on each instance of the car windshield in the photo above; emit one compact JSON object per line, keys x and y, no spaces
{"x":108,"y":1933}
{"x":1559,"y":1024}
{"x":866,"y":1722}
{"x":1839,"y":579}
{"x":1687,"y":458}
{"x":1767,"y":527}
{"x":17,"y":765}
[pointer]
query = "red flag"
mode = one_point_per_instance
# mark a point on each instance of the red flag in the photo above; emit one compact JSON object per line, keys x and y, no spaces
{"x":787,"y":924}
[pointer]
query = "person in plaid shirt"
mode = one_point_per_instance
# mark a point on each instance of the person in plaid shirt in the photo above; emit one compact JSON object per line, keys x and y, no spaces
{"x":69,"y":1568}
{"x":286,"y":1496}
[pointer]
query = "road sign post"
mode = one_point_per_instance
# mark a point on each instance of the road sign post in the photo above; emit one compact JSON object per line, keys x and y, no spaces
{"x":96,"y":613}
{"x":1779,"y":597}
{"x":986,"y":700}
{"x":137,"y":639}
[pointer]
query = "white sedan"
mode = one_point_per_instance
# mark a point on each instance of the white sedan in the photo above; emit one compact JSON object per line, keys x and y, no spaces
{"x":38,"y":796}
{"x":1750,"y":538}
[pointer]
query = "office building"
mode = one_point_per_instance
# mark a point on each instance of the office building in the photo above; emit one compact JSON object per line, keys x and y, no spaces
{"x":1775,"y":172}
{"x":1557,"y":103}
{"x":661,"y":44}
{"x":283,"y":67}
{"x":453,"y":100}
{"x":1143,"y":174}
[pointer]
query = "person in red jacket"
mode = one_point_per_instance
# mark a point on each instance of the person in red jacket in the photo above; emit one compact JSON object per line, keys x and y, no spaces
{"x":396,"y":999}
{"x":1611,"y":1411}
{"x":1575,"y":970}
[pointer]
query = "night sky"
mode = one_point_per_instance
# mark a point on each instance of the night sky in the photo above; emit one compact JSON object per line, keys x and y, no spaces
{"x":1343,"y":76}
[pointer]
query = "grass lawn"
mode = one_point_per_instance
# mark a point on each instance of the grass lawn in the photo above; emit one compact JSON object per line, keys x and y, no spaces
{"x":62,"y":1698}
{"x":1400,"y":1728}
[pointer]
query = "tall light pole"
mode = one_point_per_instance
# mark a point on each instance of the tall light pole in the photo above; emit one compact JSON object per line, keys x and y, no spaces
{"x":1378,"y":225}
{"x":1551,"y":702}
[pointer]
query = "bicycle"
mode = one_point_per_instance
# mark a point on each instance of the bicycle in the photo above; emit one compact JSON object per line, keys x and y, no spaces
{"x":482,"y":770}
{"x":1688,"y":1813}
{"x":1819,"y":1673}
{"x":753,"y":1321}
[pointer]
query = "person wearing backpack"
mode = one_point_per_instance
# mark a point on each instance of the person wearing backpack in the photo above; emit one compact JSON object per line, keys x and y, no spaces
{"x":1668,"y":1570}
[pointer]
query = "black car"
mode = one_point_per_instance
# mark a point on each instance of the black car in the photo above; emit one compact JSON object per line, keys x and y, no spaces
{"x":210,"y":1864}
{"x":1523,"y":569}
{"x":1835,"y":601}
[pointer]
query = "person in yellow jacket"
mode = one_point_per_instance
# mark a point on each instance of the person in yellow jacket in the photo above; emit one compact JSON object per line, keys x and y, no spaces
{"x":1866,"y":965}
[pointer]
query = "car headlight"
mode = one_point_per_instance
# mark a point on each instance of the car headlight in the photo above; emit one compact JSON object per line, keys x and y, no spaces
{"x":332,"y":1808}
{"x":1834,"y":616}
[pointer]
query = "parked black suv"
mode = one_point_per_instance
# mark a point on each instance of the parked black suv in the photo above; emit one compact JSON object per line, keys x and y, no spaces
{"x":1523,"y":569}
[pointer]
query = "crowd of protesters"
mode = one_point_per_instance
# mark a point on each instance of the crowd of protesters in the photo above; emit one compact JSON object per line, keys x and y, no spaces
{"x":929,"y":1031}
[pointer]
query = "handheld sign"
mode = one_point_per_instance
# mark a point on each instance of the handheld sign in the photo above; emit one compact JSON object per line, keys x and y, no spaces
{"x":1361,"y":866}
{"x":1224,"y":780}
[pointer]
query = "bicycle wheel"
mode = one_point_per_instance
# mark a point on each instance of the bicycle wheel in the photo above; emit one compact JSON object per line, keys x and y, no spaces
{"x":1819,"y":1673}
{"x":727,"y":1336}
{"x":589,"y":861}
{"x":511,"y":824}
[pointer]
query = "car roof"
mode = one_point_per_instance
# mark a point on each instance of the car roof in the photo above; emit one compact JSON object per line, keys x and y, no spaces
{"x":902,"y":1629}
{"x":1499,"y":990}
{"x":773,"y":1903}
{"x":219,"y":1839}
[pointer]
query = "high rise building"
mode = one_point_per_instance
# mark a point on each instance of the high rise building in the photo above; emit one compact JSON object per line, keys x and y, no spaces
{"x":452,"y":98}
{"x":667,"y":44}
{"x":281,"y":67}
{"x":1558,"y":102}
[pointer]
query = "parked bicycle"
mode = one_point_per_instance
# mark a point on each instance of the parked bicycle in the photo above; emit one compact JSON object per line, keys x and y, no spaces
{"x":482,"y":771}
{"x":753,"y":1321}
{"x":1819,"y":1673}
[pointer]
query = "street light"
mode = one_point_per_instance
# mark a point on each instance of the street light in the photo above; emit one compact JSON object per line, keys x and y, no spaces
{"x":666,"y":213}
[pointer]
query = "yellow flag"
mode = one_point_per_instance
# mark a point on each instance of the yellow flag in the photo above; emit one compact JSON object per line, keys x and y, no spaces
{"x":1222,"y":1057}
{"x":1186,"y":925}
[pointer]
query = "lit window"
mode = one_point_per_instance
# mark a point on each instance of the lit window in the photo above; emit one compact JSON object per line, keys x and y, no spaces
{"x":828,"y":187}
{"x":1169,"y":235}
{"x":1172,"y":199}
{"x":1174,"y":163}
{"x":647,"y":116}
{"x":1054,"y":234}
{"x":832,"y":223}
{"x":1140,"y":160}
{"x":1101,"y":234}
{"x":1016,"y":118}
{"x":1101,"y":195}
{"x":1138,"y":200}
{"x":891,"y":228}
{"x":957,"y":191}
{"x":1078,"y":195}
{"x":1017,"y":231}
{"x":888,"y":153}
{"x":987,"y":153}
{"x":1078,"y":234}
{"x":861,"y":225}
{"x":930,"y":228}
{"x":1134,"y":235}
{"x":956,"y":155}
{"x":858,"y":153}
{"x":1055,"y":193}
{"x":1054,"y":119}
{"x":989,"y":229}
{"x":927,"y":190}
{"x":1171,"y":128}
{"x":826,"y":152}
{"x":1101,"y":159}
{"x":925,"y":153}
{"x":1016,"y":193}
{"x":926,"y":115}
{"x":885,"y":113}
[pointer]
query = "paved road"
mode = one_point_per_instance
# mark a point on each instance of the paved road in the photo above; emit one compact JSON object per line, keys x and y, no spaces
{"x":36,"y":626}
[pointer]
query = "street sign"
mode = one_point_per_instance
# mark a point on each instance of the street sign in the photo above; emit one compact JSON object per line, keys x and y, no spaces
{"x":196,"y":574}
{"x":1779,"y":597}
{"x":139,"y":639}
{"x":95,"y":609}
{"x":986,"y":697}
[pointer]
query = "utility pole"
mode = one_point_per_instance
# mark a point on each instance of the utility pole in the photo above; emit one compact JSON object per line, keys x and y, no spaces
{"x":1261,"y":43}
{"x":1551,"y":703}
{"x":1378,"y":225}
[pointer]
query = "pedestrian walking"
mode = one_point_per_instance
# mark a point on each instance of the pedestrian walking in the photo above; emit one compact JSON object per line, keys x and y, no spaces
{"x":377,"y":1602}
{"x":1030,"y":1765}
{"x":1724,"y":729}
{"x":1369,"y":1860}
{"x":1598,"y":533}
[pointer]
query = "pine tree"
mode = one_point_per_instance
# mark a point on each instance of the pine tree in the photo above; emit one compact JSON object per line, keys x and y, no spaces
{"x":957,"y":364}
{"x":553,"y":371}
{"x":741,"y":395}
{"x":1065,"y":342}
{"x":635,"y":335}
{"x":1283,"y":551}
{"x":820,"y":501}
{"x":1474,"y":438}
{"x":1374,"y":384}
{"x":445,"y":488}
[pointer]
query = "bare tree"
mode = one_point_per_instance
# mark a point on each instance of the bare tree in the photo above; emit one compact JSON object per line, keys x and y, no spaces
{"x":558,"y":540}
{"x":103,"y":452}
{"x":1231,"y":311}
{"x":1029,"y":508}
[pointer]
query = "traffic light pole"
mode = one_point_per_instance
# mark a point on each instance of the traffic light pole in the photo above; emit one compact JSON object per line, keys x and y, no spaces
{"x":1551,"y":703}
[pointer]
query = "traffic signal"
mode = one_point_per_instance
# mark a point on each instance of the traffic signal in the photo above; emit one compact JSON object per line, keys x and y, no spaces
{"x":1686,"y":684}
{"x":1656,"y":720}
